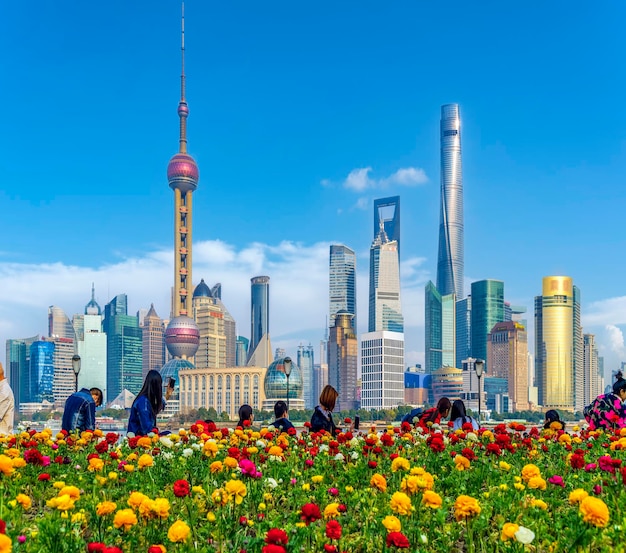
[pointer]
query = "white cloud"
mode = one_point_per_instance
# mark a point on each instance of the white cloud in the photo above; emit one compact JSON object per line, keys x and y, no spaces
{"x":616,"y":340}
{"x":360,"y":180}
{"x":606,"y":312}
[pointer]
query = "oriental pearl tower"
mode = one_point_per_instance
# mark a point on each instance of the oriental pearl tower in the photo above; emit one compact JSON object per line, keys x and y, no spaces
{"x":182,"y":335}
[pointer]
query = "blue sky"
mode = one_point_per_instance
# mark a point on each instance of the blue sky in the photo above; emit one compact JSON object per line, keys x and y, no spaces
{"x":287,"y":99}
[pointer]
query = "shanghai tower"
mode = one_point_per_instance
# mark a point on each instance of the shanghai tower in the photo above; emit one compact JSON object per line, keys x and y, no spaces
{"x":450,"y":258}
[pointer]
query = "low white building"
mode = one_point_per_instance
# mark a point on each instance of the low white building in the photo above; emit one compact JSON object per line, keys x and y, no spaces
{"x":382,"y":369}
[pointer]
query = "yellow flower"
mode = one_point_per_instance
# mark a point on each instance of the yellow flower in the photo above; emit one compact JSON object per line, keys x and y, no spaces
{"x":529,"y":471}
{"x":504,"y":466}
{"x":400,"y":463}
{"x":425,"y":480}
{"x":565,"y":438}
{"x":392,"y":524}
{"x":317,"y":479}
{"x":219,"y":497}
{"x":539,"y":503}
{"x":145,"y":509}
{"x":349,"y":489}
{"x":18,"y":463}
{"x":136,"y":499}
{"x":275,"y":451}
{"x":401,"y":503}
{"x":594,"y":511}
{"x":378,"y":481}
{"x":431,"y":499}
{"x":161,"y":507}
{"x":145,"y":461}
{"x":410,"y":484}
{"x":125,"y":518}
{"x":210,"y":448}
{"x":112,"y":475}
{"x":101,"y":480}
{"x":230,"y":462}
{"x":24,"y":501}
{"x":62,"y":503}
{"x":488,"y":435}
{"x":537,"y":483}
{"x":508,"y":531}
{"x":210,"y":516}
{"x":5,"y":544}
{"x":79,"y":518}
{"x":461,"y":462}
{"x":216,"y":466}
{"x":129,"y":468}
{"x":105,"y":508}
{"x":95,"y":464}
{"x":466,"y":506}
{"x":179,"y":531}
{"x":13,"y":452}
{"x":6,"y":465}
{"x":331,"y":510}
{"x":519,"y":486}
{"x":577,"y":496}
{"x":199,"y":490}
{"x":132,"y":457}
{"x":236,"y":490}
{"x":306,"y":487}
{"x":72,"y":491}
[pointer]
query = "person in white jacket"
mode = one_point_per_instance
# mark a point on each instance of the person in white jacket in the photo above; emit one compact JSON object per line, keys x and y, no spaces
{"x":459,"y":416}
{"x":7,"y":405}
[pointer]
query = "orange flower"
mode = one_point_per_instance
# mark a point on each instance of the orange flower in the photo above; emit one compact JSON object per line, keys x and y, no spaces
{"x":145,"y":461}
{"x":401,"y":503}
{"x":179,"y":531}
{"x":461,"y":462}
{"x":431,"y":499}
{"x":508,"y":531}
{"x":529,"y":471}
{"x":465,"y":507}
{"x":594,"y":511}
{"x":378,"y":481}
{"x":105,"y":508}
{"x":125,"y":518}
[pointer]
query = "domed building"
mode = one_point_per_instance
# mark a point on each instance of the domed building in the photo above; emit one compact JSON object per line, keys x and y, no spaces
{"x":275,"y":385}
{"x":171,"y":370}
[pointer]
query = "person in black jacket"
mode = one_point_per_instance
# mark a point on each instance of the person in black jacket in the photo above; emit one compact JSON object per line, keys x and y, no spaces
{"x":282,"y":422}
{"x":322,"y":418}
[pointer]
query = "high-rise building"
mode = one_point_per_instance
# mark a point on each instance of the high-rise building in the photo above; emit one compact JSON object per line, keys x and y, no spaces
{"x":210,"y":320}
{"x":59,"y":324}
{"x":181,"y":334}
{"x":463,"y":330}
{"x":306,"y":362}
{"x":593,"y":377}
{"x":487,"y":310}
{"x":321,"y":369}
{"x":18,"y":368}
{"x":153,"y":342}
{"x":343,"y":361}
{"x":241,"y":352}
{"x":342,"y":282}
{"x":432,"y":316}
{"x":259,"y":311}
{"x":507,"y":357}
{"x":382,"y":370}
{"x":124,"y":348}
{"x":450,"y":263}
{"x":41,"y":373}
{"x":64,"y":383}
{"x":387,"y":214}
{"x":385,"y":309}
{"x":557,"y":331}
{"x":448,"y":330}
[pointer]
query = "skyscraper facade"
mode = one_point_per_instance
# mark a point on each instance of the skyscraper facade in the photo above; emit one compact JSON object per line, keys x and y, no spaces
{"x":557,"y":329}
{"x":153,"y":342}
{"x":450,"y":263}
{"x":210,"y":320}
{"x":18,"y":367}
{"x":306,"y":362}
{"x":64,"y":383}
{"x":385,"y":309}
{"x":41,"y":373}
{"x":59,"y":324}
{"x":343,"y":361}
{"x":382,"y":370}
{"x":463,"y":330}
{"x":387,"y":214}
{"x":259,"y":311}
{"x":487,"y":310}
{"x":507,"y":358}
{"x":241,"y":352}
{"x":448,"y":330}
{"x":432,"y":315}
{"x":181,"y":334}
{"x":124,"y":348}
{"x":342,"y":282}
{"x":91,"y":345}
{"x":593,"y":381}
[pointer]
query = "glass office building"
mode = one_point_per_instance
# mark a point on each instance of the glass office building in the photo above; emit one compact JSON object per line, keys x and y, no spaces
{"x":259,"y":311}
{"x":342,"y":282}
{"x":487,"y":310}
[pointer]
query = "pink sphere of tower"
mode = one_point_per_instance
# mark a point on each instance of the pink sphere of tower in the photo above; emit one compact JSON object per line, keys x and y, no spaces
{"x":182,"y":173}
{"x":182,"y":337}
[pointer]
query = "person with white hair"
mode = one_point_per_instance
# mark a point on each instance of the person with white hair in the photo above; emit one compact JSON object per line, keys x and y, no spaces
{"x":7,"y":405}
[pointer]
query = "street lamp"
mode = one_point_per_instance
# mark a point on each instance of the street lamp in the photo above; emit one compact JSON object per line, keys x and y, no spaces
{"x":479,"y":366}
{"x":76,"y":367}
{"x":287,"y":365}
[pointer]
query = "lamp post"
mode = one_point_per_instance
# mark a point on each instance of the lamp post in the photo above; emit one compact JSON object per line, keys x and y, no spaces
{"x":287,"y":365}
{"x":76,"y":368}
{"x":479,"y":366}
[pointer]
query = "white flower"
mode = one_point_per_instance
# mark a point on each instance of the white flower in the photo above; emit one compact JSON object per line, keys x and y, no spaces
{"x":276,"y":458}
{"x":167,"y":455}
{"x":271,"y":483}
{"x":165,"y":441}
{"x":354,"y":455}
{"x":261,"y":444}
{"x":423,"y":538}
{"x":471,"y":437}
{"x":524,"y":535}
{"x":323,"y":447}
{"x":196,"y":446}
{"x":187,"y":452}
{"x":339,"y":457}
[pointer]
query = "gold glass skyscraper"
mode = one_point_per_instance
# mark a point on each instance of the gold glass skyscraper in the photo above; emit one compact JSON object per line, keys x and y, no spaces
{"x":558,"y":351}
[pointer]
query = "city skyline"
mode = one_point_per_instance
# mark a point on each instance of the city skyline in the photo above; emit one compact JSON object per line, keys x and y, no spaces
{"x":515,"y":167}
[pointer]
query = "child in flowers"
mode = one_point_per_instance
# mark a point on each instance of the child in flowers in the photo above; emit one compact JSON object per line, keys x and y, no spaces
{"x":459,"y":416}
{"x":322,"y":418}
{"x":608,"y":410}
{"x":435,"y":414}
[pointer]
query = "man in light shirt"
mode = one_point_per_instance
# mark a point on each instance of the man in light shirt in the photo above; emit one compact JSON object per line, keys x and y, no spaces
{"x":7,"y":404}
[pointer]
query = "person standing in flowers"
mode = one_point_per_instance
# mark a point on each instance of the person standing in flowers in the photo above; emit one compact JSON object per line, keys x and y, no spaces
{"x":435,"y":414}
{"x":148,"y":404}
{"x":7,"y":405}
{"x":246,"y":416}
{"x":608,"y":410}
{"x":459,"y":416}
{"x":322,"y":418}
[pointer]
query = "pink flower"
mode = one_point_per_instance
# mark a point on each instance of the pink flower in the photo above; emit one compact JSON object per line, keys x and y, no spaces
{"x":590,"y":466}
{"x":557,"y":481}
{"x":597,"y":489}
{"x":248,"y":467}
{"x":333,"y":491}
{"x":45,"y":460}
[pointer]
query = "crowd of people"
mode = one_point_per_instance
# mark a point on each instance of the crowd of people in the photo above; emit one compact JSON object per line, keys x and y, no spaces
{"x":606,"y":412}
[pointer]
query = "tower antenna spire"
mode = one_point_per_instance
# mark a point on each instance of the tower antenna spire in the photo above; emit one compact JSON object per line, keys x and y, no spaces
{"x":183,"y":109}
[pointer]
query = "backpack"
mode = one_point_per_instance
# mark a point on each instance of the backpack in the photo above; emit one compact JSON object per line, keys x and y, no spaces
{"x":412,"y":415}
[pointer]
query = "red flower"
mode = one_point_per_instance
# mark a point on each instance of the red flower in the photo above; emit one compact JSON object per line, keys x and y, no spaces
{"x":3,"y":527}
{"x":372,"y":464}
{"x":310,"y":513}
{"x":33,"y":457}
{"x":276,"y":536}
{"x":155,"y":549}
{"x":333,"y":530}
{"x":102,"y":446}
{"x":292,"y":431}
{"x":330,"y":548}
{"x":112,"y":550}
{"x":95,"y":547}
{"x":273,"y":548}
{"x":307,"y":424}
{"x":43,"y":477}
{"x":111,"y":437}
{"x":397,"y":539}
{"x":181,"y":488}
{"x":577,"y":461}
{"x":243,"y":521}
{"x":247,"y":424}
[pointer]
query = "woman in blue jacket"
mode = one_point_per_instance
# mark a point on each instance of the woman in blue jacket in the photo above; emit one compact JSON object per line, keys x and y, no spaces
{"x":148,"y":404}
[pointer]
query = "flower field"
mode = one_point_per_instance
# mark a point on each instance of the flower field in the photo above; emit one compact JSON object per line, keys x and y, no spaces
{"x":511,"y":488}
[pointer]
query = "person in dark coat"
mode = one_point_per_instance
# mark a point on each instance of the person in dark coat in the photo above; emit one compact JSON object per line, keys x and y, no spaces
{"x":322,"y":418}
{"x":148,"y":404}
{"x":281,"y":414}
